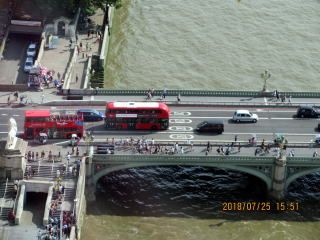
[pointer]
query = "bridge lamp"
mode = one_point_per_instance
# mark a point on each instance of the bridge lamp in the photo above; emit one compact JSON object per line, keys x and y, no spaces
{"x":265,"y":76}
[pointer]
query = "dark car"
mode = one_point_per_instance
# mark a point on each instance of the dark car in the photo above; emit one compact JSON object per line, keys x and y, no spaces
{"x":307,"y":112}
{"x":91,"y":115}
{"x":211,"y":126}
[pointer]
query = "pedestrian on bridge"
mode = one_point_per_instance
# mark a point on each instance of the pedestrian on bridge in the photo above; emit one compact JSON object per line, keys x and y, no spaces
{"x":315,"y":154}
{"x":179,"y":98}
{"x":164,"y":93}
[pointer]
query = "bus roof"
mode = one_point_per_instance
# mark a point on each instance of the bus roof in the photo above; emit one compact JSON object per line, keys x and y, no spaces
{"x":133,"y":104}
{"x":37,"y":113}
{"x":48,"y":113}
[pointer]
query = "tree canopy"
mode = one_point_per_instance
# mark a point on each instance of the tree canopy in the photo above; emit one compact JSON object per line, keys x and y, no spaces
{"x":91,"y":4}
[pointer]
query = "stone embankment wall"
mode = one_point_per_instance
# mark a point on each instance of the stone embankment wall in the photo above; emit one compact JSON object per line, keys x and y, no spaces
{"x":106,"y":37}
{"x":80,"y":202}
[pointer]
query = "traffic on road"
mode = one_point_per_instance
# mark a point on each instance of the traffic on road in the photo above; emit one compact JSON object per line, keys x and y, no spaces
{"x":183,"y":122}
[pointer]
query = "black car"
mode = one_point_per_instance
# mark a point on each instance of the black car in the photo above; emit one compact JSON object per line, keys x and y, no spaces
{"x":307,"y":112}
{"x":90,"y":115}
{"x":211,"y":126}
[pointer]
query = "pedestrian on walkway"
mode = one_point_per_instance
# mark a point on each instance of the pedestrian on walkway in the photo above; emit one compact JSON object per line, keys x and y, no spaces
{"x":179,"y":97}
{"x":42,"y":98}
{"x":315,"y":153}
{"x":235,"y":138}
{"x":68,"y":157}
{"x":39,"y":235}
{"x":77,"y":78}
{"x":164,"y":93}
{"x":16,"y":95}
{"x":8,"y":99}
{"x":58,"y":74}
{"x":88,"y":33}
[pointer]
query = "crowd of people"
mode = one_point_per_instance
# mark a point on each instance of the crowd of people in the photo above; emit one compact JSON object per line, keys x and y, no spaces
{"x":32,"y":156}
{"x":149,"y":146}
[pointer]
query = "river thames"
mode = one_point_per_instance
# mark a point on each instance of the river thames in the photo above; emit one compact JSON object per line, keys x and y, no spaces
{"x":207,"y":45}
{"x":187,"y":203}
{"x":215,"y":45}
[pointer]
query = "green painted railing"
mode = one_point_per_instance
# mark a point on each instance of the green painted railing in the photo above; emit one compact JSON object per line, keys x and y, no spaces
{"x":121,"y":159}
{"x":203,"y":93}
{"x":181,"y":92}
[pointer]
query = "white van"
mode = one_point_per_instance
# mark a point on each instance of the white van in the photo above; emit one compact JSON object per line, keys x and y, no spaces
{"x":244,"y":116}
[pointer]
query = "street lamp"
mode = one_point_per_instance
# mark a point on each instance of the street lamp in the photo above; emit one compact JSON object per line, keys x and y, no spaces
{"x":89,"y":139}
{"x":265,"y":76}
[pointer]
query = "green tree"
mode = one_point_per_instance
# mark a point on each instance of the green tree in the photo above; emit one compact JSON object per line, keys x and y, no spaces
{"x":89,"y":5}
{"x":102,"y":3}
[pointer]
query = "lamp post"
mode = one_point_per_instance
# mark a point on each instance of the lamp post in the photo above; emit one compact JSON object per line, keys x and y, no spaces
{"x":265,"y":76}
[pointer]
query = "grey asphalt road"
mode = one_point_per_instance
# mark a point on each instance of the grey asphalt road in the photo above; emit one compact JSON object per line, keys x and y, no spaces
{"x":12,"y":65}
{"x":184,"y":120}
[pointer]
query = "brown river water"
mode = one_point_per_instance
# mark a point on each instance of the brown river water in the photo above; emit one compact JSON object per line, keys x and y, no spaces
{"x":207,"y":45}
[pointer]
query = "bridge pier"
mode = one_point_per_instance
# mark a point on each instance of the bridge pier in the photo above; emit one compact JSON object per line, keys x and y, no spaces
{"x":279,"y":177}
{"x":90,"y":192}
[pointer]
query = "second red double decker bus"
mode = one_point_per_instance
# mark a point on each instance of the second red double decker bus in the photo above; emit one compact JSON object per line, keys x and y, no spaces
{"x":56,"y":124}
{"x":137,"y":115}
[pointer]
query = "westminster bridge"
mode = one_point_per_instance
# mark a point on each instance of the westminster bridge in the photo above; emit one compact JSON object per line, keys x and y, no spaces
{"x":276,"y":172}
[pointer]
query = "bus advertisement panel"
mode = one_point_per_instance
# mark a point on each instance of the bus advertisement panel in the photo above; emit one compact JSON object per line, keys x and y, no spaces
{"x":137,"y":115}
{"x":56,"y":124}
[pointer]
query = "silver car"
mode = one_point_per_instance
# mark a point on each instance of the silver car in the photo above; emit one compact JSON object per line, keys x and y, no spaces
{"x":244,"y":116}
{"x":32,"y":50}
{"x":28,"y":64}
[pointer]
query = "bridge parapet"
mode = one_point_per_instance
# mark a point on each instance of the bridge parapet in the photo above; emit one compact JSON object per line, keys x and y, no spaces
{"x":201,"y":93}
{"x":276,"y":173}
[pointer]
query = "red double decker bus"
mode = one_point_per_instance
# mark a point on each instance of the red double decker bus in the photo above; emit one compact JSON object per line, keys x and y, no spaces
{"x":137,"y":115}
{"x":56,"y":124}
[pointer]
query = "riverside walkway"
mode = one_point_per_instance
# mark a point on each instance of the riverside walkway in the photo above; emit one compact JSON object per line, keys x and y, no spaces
{"x":50,"y":97}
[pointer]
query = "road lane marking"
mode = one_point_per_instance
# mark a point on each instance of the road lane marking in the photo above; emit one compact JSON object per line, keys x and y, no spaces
{"x":4,"y":114}
{"x":181,"y":136}
{"x":180,"y":113}
{"x":16,"y":115}
{"x":180,"y":120}
{"x":180,"y":128}
{"x":7,"y":132}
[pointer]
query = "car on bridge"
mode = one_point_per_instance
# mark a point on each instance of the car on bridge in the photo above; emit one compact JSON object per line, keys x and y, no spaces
{"x":244,"y":116}
{"x":32,"y":50}
{"x":91,"y":115}
{"x":211,"y":126}
{"x":307,"y":112}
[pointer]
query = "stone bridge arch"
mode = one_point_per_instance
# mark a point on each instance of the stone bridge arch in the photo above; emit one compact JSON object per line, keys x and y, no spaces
{"x":298,"y":174}
{"x":260,"y":174}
